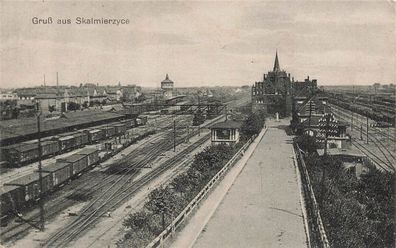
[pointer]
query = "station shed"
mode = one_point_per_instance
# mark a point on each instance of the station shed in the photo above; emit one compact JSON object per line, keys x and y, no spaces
{"x":227,"y":132}
{"x":352,"y":159}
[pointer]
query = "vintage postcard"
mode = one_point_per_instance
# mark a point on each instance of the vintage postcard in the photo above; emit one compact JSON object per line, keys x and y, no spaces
{"x":202,"y":124}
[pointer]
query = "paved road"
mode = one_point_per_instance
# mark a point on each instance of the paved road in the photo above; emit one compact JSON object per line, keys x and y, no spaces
{"x":262,"y":208}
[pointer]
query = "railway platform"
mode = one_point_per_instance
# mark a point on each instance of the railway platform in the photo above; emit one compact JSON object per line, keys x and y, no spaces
{"x":261,"y":208}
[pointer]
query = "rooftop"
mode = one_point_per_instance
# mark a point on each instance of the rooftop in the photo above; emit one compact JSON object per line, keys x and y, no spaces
{"x":55,"y":166}
{"x":227,"y":124}
{"x":338,"y":151}
{"x":26,"y":180}
{"x":20,"y":127}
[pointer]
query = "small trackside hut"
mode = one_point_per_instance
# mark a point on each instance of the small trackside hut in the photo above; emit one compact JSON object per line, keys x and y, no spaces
{"x":227,"y":132}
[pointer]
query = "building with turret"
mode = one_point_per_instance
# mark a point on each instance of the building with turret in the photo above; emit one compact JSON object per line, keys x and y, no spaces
{"x":167,"y":87}
{"x":273,"y":94}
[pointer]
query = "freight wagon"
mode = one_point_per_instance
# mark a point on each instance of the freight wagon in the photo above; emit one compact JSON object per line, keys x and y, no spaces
{"x":11,"y":198}
{"x":108,"y":130}
{"x":60,"y":172}
{"x":78,"y":162}
{"x":81,"y":138}
{"x":67,"y":143}
{"x":141,"y":121}
{"x":128,"y":123}
{"x":49,"y":147}
{"x":30,"y":185}
{"x":92,"y":155}
{"x":20,"y":154}
{"x":120,"y":129}
{"x":95,"y":135}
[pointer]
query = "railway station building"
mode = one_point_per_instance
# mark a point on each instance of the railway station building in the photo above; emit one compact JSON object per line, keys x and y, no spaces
{"x":273,"y":94}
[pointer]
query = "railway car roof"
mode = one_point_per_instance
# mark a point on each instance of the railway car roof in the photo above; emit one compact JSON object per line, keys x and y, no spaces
{"x":86,"y":151}
{"x":7,"y":188}
{"x":26,"y":180}
{"x":55,"y":166}
{"x":72,"y":158}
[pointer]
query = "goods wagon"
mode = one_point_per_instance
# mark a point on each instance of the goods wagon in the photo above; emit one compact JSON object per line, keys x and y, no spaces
{"x":78,"y":162}
{"x":95,"y":135}
{"x":81,"y":138}
{"x":141,"y":121}
{"x":59,"y":171}
{"x":67,"y":143}
{"x":120,"y":129}
{"x":11,"y":198}
{"x":128,"y":123}
{"x":92,"y":155}
{"x":30,"y":185}
{"x":108,"y":130}
{"x":21,"y":153}
{"x":49,"y":147}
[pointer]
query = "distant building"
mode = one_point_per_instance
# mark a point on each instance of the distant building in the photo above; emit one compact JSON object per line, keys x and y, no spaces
{"x":167,"y":87}
{"x":273,"y":94}
{"x":8,"y":96}
{"x":353,"y":160}
{"x":226,"y":132}
{"x":305,"y":107}
{"x":314,"y":127}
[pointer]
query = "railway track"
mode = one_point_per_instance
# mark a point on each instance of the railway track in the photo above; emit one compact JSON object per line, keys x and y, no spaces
{"x":92,"y":182}
{"x":113,"y":198}
{"x":388,"y":160}
{"x":87,"y":189}
{"x":389,"y":134}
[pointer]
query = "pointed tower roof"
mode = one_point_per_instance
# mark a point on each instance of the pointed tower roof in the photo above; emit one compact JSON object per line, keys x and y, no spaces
{"x":167,"y":80}
{"x":276,"y":64}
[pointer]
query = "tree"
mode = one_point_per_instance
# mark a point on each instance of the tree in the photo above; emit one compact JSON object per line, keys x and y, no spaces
{"x":307,"y":143}
{"x":73,"y":106}
{"x":137,"y":221}
{"x":162,"y":201}
{"x":181,"y":183}
{"x":253,"y":124}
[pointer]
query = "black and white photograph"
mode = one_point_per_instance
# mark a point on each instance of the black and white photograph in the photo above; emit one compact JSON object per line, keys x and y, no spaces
{"x":197,"y":124}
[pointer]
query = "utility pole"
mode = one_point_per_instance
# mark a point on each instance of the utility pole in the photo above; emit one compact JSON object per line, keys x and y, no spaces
{"x":226,"y":113}
{"x":326,"y":133}
{"x":310,"y":114}
{"x":367,"y":129}
{"x":361,"y":132}
{"x":41,"y":198}
{"x":174,"y":135}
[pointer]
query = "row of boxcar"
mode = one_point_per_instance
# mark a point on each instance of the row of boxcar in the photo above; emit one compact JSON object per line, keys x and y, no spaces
{"x":19,"y":193}
{"x":25,"y":190}
{"x":27,"y":152}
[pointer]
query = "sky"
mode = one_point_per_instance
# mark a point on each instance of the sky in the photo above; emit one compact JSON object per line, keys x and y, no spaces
{"x":198,"y":43}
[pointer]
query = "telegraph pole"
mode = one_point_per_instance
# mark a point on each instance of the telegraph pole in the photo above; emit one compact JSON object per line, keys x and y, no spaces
{"x":174,"y":135}
{"x":310,"y":114}
{"x":367,"y":129}
{"x":41,"y":198}
{"x":326,"y":133}
{"x":361,"y":132}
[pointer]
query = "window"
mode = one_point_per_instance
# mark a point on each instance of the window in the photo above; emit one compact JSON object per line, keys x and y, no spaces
{"x":223,"y":134}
